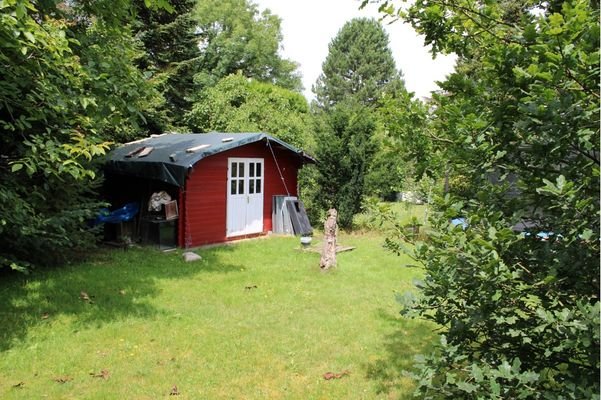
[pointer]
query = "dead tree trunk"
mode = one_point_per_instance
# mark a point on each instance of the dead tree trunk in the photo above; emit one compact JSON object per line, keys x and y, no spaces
{"x":330,"y":230}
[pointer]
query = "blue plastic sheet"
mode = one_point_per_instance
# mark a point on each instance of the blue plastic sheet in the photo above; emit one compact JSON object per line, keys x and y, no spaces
{"x":122,"y":214}
{"x":459,"y":221}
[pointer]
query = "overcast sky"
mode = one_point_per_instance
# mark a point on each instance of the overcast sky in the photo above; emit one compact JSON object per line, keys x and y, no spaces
{"x":308,"y":26}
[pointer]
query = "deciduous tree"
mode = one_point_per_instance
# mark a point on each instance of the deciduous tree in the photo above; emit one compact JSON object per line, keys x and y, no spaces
{"x":68,"y":87}
{"x":239,"y":104}
{"x":520,"y":118}
{"x":404,"y":149}
{"x":236,"y":37}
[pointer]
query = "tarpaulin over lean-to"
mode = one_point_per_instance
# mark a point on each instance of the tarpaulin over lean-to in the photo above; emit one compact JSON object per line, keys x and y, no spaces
{"x":173,"y":155}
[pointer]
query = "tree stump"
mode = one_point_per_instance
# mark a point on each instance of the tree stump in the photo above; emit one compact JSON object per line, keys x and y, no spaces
{"x":330,"y":230}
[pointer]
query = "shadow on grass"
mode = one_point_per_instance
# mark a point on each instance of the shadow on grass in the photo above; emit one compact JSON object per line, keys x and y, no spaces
{"x":410,"y":338}
{"x":113,"y":285}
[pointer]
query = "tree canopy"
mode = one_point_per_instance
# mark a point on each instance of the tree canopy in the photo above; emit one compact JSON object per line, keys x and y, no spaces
{"x":360,"y":80}
{"x":170,"y":58}
{"x":516,"y":289}
{"x":239,"y":104}
{"x":69,"y":87}
{"x":81,"y":75}
{"x":345,"y":149}
{"x":403,"y":147}
{"x":359,"y":64}
{"x":236,"y":37}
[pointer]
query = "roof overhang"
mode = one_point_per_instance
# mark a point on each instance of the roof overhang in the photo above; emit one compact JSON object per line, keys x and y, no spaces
{"x":170,"y":157}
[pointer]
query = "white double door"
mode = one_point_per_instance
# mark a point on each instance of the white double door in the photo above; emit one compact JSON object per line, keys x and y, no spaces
{"x":245,"y":196}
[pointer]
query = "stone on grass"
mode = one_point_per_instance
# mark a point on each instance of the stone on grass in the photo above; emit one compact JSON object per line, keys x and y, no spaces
{"x":190,"y":256}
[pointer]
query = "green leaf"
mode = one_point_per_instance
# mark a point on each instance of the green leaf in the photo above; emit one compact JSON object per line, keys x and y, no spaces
{"x":532,"y":301}
{"x":516,"y":366}
{"x":556,"y":22}
{"x":466,"y":386}
{"x":19,"y":268}
{"x":20,"y":10}
{"x":505,"y":370}
{"x":561,"y":181}
{"x":586,"y":235}
{"x":29,"y":36}
{"x":495,"y":387}
{"x":16,"y":167}
{"x":477,"y":373}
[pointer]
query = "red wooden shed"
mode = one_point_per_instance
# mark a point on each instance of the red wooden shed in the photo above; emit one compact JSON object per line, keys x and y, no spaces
{"x":224,"y":183}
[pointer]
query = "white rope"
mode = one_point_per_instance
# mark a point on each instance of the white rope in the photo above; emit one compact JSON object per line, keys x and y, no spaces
{"x":278,"y":167}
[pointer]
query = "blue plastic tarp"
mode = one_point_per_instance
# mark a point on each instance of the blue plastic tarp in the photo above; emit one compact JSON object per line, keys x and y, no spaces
{"x":125,"y":213}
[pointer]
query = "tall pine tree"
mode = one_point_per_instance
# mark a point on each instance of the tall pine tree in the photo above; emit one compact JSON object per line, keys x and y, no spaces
{"x":171,"y":58}
{"x":357,"y":72}
{"x":359,"y":64}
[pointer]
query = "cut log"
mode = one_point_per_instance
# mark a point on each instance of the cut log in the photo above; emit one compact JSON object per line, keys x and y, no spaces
{"x":330,"y":230}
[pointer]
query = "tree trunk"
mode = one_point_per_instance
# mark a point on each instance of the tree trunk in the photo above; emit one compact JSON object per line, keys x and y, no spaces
{"x":330,"y":230}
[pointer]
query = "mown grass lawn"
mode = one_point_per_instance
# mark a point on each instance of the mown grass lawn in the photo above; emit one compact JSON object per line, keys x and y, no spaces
{"x":254,"y":320}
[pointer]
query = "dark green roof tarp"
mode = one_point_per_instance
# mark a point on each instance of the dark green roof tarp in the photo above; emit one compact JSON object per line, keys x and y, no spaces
{"x":169,"y":161}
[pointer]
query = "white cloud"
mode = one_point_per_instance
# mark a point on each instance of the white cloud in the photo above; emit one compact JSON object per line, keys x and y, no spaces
{"x":308,"y":26}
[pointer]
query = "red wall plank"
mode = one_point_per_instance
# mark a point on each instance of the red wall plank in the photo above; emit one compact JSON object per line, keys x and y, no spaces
{"x":205,"y":198}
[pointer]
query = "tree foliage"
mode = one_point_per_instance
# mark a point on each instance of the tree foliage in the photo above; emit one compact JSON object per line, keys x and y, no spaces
{"x":235,"y":37}
{"x":359,"y":77}
{"x":239,"y":104}
{"x":404,"y":151}
{"x":359,"y":64}
{"x":170,"y":57}
{"x":520,"y":314}
{"x":68,"y":87}
{"x":345,"y":149}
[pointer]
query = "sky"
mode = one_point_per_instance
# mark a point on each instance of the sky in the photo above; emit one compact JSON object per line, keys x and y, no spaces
{"x":308,"y":26}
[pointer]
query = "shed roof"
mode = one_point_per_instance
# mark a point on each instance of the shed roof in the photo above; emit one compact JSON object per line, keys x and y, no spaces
{"x":173,"y":155}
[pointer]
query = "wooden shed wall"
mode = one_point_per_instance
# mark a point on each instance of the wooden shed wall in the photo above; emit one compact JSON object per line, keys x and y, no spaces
{"x":203,"y":217}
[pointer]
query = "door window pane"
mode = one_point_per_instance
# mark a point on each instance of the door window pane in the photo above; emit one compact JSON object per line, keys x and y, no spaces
{"x":246,"y":177}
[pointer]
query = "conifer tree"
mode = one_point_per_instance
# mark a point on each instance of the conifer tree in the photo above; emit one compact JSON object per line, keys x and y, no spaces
{"x":357,"y":72}
{"x":171,"y":57}
{"x":345,"y":149}
{"x":359,"y":64}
